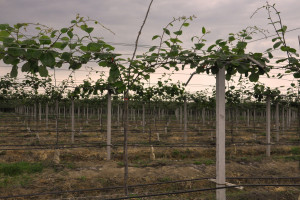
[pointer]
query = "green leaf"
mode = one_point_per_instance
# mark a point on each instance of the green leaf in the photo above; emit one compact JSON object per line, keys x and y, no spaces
{"x":277,"y":44}
{"x":53,"y":33}
{"x":274,"y":39}
{"x":43,"y":71}
{"x":66,"y":39}
{"x":114,"y":74}
{"x":57,"y":45}
{"x":203,"y":30}
{"x":83,"y":48}
{"x":167,"y":43}
{"x":8,"y":42}
{"x":199,"y":46}
{"x":155,"y":36}
{"x":242,"y":68}
{"x":270,"y":55}
{"x":214,"y":69}
{"x":15,"y":51}
{"x":185,"y":24}
{"x":210,"y":48}
{"x":48,"y":59}
{"x":152,"y":48}
{"x":66,"y":56}
{"x":26,"y":67}
{"x":241,"y":45}
{"x":14,"y":71}
{"x":83,"y":27}
{"x":178,"y":32}
{"x":175,"y":40}
{"x":166,"y":31}
{"x":103,"y":64}
{"x":254,"y":77}
{"x":28,"y":42}
{"x":281,"y":60}
{"x":86,"y":28}
{"x":89,"y":29}
{"x":296,"y":75}
{"x":218,"y":41}
{"x":64,"y":30}
{"x":72,"y":46}
{"x":45,"y":40}
{"x":3,"y":34}
{"x":228,"y":76}
{"x":248,"y":37}
{"x":4,"y":26}
{"x":10,"y":60}
{"x":34,"y":53}
{"x":231,"y":38}
{"x":95,"y":47}
{"x":75,"y":65}
{"x":70,"y":34}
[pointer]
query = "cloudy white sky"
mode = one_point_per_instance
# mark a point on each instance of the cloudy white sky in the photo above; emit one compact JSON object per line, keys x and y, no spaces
{"x":124,"y":17}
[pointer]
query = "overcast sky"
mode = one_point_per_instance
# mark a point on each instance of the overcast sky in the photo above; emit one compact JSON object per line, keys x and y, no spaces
{"x":124,"y":17}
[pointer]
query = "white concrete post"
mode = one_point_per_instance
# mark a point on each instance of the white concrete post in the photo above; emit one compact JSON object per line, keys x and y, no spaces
{"x":203,"y":116}
{"x":248,"y":117}
{"x":108,"y":140}
{"x":72,"y":120}
{"x":118,"y":114}
{"x":47,"y":113}
{"x":34,"y":110}
{"x":277,"y":121}
{"x":268,"y":126}
{"x":143,"y":118}
{"x":180,"y":117}
{"x":40,"y":111}
{"x":185,"y":120}
{"x":220,"y":134}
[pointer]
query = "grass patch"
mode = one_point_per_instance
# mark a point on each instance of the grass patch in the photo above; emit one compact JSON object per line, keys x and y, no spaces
{"x":23,"y":181}
{"x":291,"y":158}
{"x":164,"y":179}
{"x":82,"y":178}
{"x":181,"y":154}
{"x":206,"y":162}
{"x":19,"y":168}
{"x":120,"y":164}
{"x":295,"y":150}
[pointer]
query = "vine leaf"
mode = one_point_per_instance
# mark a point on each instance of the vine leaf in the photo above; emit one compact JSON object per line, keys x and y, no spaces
{"x":48,"y":59}
{"x":14,"y":71}
{"x":43,"y":71}
{"x":254,"y":77}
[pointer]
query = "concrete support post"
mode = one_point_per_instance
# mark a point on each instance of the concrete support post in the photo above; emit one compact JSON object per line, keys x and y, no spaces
{"x":47,"y":114}
{"x":40,"y":111}
{"x":144,"y":118}
{"x":185,"y":120}
{"x":268,"y":126}
{"x":277,"y":121}
{"x":72,"y":120}
{"x":108,"y":125}
{"x":220,"y":134}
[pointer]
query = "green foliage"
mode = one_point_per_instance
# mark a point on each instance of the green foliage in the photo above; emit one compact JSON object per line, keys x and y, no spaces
{"x":50,"y":47}
{"x":205,"y":162}
{"x":295,"y":150}
{"x":15,"y":169}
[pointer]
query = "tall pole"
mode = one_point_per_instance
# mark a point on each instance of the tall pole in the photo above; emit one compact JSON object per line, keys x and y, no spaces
{"x":220,"y":134}
{"x":185,"y":120}
{"x":277,"y":121}
{"x":72,"y":120}
{"x":108,"y":140}
{"x":268,"y":122}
